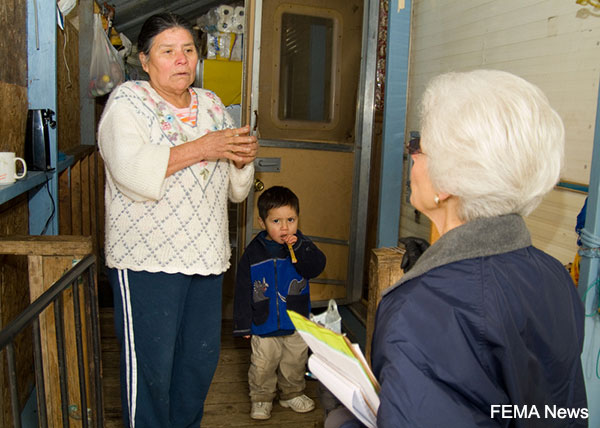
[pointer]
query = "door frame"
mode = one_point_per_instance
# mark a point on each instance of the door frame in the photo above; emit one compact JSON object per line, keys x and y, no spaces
{"x":363,"y":131}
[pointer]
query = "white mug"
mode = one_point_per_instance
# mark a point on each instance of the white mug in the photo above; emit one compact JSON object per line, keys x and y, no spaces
{"x":8,"y":168}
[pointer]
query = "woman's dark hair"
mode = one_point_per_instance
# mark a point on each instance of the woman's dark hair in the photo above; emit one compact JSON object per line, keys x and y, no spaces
{"x":158,"y":23}
{"x":275,"y":197}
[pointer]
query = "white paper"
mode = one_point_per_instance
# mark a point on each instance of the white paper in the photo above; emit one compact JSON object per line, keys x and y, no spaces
{"x":344,"y":389}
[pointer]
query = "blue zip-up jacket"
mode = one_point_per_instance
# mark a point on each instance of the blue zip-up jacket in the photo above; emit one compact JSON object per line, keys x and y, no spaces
{"x":482,"y":320}
{"x":267,"y":285}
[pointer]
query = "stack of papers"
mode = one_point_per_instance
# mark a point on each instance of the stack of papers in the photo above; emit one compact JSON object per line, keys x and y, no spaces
{"x":342,"y":368}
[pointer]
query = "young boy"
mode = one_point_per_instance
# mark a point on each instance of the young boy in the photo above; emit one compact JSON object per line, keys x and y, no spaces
{"x":268,"y":282}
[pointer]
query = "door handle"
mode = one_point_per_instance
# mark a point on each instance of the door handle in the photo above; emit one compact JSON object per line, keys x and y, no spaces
{"x":259,"y":186}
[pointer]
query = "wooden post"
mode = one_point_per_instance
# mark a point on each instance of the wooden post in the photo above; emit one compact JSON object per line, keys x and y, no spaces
{"x":76,"y":199}
{"x":64,"y":202}
{"x":384,"y":270}
{"x":49,"y":257}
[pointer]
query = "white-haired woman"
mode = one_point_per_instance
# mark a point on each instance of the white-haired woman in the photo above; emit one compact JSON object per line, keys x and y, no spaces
{"x":485,"y":329}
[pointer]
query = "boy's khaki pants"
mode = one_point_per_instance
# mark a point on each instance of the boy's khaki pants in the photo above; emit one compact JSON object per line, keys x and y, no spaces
{"x":278,"y":361}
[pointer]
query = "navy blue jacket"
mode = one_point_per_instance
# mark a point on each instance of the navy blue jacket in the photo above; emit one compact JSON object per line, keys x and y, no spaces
{"x":267,"y":285}
{"x":482,"y":319}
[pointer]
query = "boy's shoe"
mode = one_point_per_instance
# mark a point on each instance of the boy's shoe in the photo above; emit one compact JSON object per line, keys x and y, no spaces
{"x":261,"y":410}
{"x":300,"y":404}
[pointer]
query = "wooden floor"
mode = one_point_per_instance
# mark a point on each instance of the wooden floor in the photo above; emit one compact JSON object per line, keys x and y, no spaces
{"x":227,"y":404}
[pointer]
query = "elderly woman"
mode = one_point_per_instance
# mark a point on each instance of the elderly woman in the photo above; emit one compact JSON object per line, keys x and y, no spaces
{"x":485,"y":329}
{"x":173,"y":159}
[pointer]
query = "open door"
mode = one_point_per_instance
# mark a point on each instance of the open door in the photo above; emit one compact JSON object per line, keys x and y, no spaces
{"x":302,"y":93}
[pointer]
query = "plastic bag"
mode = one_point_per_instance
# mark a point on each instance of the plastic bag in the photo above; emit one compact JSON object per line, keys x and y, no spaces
{"x":219,"y":45}
{"x":330,"y":319}
{"x":106,"y":69}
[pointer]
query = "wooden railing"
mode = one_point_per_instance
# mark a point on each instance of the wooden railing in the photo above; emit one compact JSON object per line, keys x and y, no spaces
{"x":63,"y":316}
{"x":81,"y":197}
{"x":80,"y":206}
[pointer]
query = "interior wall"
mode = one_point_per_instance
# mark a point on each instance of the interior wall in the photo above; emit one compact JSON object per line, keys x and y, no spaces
{"x":13,"y":104}
{"x":14,"y":215}
{"x":67,"y":76}
{"x":553,"y":44}
{"x":13,"y":75}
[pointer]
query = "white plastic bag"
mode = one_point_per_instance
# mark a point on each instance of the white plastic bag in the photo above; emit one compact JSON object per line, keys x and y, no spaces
{"x":330,"y":319}
{"x":106,"y":68}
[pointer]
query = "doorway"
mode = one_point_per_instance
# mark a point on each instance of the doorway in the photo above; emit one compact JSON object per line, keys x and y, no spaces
{"x":305,"y":89}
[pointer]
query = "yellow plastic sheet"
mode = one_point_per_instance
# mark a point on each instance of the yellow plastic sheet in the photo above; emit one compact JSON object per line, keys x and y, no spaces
{"x":224,"y":78}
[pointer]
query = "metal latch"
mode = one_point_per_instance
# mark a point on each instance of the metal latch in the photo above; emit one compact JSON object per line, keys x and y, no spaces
{"x":267,"y":164}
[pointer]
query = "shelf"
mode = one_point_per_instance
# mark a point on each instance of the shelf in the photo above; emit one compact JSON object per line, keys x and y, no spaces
{"x":30,"y":181}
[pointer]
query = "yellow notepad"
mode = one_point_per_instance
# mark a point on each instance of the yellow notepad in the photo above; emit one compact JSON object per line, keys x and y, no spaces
{"x":341,"y":367}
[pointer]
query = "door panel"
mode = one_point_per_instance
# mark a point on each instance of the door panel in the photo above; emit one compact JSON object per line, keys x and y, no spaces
{"x":307,"y":48}
{"x":303,"y":112}
{"x":322,"y":180}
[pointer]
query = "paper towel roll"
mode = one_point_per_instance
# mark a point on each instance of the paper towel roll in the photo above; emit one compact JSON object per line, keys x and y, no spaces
{"x":224,"y":10}
{"x":238,"y":20}
{"x":238,"y":12}
{"x":224,"y":26}
{"x":237,"y":27}
{"x":224,"y":18}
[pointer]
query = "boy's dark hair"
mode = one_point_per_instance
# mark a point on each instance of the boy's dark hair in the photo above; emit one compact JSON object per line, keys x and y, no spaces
{"x":275,"y":197}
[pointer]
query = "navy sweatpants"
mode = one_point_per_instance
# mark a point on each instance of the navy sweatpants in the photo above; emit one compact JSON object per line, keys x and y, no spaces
{"x":169,"y":329}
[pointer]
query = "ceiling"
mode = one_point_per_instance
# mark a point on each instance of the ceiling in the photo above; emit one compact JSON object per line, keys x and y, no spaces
{"x":131,"y":14}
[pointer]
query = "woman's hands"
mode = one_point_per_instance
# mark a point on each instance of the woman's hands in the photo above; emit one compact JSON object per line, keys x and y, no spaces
{"x":234,"y":144}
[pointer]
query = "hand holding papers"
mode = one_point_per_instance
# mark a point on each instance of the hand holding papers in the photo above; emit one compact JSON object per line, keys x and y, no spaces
{"x":342,"y":368}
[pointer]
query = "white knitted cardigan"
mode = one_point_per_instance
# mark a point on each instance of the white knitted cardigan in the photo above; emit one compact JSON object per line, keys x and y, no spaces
{"x":176,"y":224}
